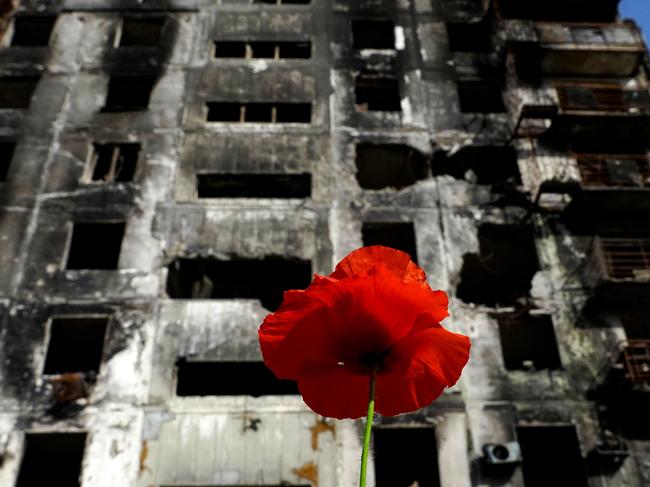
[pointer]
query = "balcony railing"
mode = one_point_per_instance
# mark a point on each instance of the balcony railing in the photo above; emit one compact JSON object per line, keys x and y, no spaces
{"x":616,"y":36}
{"x":602,"y":97}
{"x":623,"y":258}
{"x":614,"y":170}
{"x":636,"y":359}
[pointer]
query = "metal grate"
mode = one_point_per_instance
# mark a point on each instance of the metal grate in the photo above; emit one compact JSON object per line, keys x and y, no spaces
{"x":612,"y":35}
{"x":636,"y":357}
{"x":626,"y":258}
{"x":601,"y":97}
{"x":614,"y":170}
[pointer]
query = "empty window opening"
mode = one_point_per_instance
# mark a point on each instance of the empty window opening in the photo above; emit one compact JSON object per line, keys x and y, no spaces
{"x":377,"y":92}
{"x":114,"y":162}
{"x":32,"y":31}
{"x":373,"y":34}
{"x":398,"y":235}
{"x":568,"y":466}
{"x":6,"y":154}
{"x":636,"y":324}
{"x":231,"y":279}
{"x":389,"y":165}
{"x":480,"y":96}
{"x":528,"y":343}
{"x":494,"y":165}
{"x":254,"y":185}
{"x":405,"y":457}
{"x":141,"y":31}
{"x":232,"y":49}
{"x":259,"y":112}
{"x":507,"y":261}
{"x":284,"y":2}
{"x":469,"y":37}
{"x":128,"y":93}
{"x":52,"y":459}
{"x":76,"y":345}
{"x":198,"y":378}
{"x":95,"y":245}
{"x":263,"y":50}
{"x":17,"y":91}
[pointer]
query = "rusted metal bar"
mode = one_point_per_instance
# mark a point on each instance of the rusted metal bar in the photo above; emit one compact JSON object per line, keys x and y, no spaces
{"x":636,"y":358}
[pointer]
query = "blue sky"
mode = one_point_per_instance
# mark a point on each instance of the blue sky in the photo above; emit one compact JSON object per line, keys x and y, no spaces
{"x":638,"y":10}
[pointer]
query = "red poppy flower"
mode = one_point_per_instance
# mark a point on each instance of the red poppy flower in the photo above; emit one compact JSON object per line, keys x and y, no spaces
{"x":374,"y":312}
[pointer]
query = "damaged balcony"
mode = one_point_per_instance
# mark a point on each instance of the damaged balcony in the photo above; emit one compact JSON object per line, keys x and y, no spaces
{"x":636,"y":359}
{"x":583,"y":111}
{"x":618,"y":271}
{"x":593,"y":182}
{"x":580,"y":49}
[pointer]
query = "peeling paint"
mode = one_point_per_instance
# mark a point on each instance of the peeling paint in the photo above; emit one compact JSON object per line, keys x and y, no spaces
{"x":309,"y":471}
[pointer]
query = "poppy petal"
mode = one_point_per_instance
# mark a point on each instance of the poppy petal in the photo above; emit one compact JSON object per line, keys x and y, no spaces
{"x":341,"y":321}
{"x":419,"y":368}
{"x":331,"y":390}
{"x":363,"y":259}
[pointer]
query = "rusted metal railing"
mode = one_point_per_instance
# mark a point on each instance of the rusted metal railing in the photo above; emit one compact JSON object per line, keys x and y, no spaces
{"x":636,"y":359}
{"x":616,"y":35}
{"x":623,"y":258}
{"x":602,"y":97}
{"x":596,"y":169}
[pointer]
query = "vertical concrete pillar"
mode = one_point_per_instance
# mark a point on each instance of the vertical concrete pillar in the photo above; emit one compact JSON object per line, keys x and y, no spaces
{"x":451,"y":436}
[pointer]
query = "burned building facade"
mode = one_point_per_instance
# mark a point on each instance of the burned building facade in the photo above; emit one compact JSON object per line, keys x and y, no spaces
{"x":169,"y":167}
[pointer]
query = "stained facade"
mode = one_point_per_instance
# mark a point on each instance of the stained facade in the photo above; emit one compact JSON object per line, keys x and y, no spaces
{"x":169,"y":167}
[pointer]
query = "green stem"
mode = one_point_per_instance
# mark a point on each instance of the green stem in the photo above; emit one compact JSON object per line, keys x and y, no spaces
{"x":366,"y":434}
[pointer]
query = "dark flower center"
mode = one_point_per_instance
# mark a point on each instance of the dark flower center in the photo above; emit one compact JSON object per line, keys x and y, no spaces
{"x":373,"y":360}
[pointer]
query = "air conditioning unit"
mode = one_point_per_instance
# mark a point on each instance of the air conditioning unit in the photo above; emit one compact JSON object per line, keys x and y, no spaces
{"x":502,"y":453}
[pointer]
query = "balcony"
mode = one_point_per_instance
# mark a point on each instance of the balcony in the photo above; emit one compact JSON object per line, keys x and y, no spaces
{"x":595,"y":111}
{"x":580,"y":49}
{"x":593,"y":183}
{"x":618,"y":271}
{"x":636,"y":360}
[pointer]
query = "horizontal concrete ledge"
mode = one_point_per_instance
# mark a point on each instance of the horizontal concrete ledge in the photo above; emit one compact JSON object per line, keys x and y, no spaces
{"x":139,"y":5}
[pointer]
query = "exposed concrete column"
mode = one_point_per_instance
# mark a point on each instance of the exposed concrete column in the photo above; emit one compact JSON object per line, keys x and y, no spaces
{"x":451,"y":436}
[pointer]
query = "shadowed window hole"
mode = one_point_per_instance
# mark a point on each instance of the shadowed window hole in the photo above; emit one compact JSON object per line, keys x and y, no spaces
{"x":76,"y":345}
{"x":480,"y":96}
{"x":389,"y":165}
{"x":492,"y":165}
{"x":128,"y":93}
{"x":528,"y":343}
{"x":16,"y":91}
{"x":263,"y":49}
{"x":502,"y":272}
{"x":32,"y":31}
{"x":373,"y":34}
{"x":258,"y":112}
{"x":6,"y":154}
{"x":254,"y":185}
{"x":404,"y":456}
{"x":114,"y":162}
{"x":231,"y":279}
{"x":469,"y":37}
{"x":141,"y":31}
{"x":52,"y":459}
{"x":537,"y":442}
{"x":398,"y":235}
{"x":377,"y":92}
{"x":284,"y":2}
{"x":198,"y":378}
{"x":95,"y":245}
